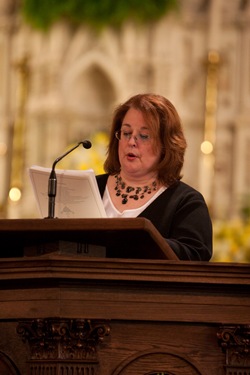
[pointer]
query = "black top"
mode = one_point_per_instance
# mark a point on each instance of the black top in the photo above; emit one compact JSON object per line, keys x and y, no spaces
{"x":181,"y":216}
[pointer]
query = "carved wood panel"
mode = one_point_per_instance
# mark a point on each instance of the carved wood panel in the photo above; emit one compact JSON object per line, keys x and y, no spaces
{"x":7,"y":367}
{"x":157,"y":362}
{"x":63,"y":346}
{"x":235,"y":343}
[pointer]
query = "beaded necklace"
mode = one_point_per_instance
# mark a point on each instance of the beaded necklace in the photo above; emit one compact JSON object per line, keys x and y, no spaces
{"x":138,"y":192}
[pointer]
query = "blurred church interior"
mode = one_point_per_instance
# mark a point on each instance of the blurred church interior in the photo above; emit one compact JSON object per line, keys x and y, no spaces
{"x":60,"y":86}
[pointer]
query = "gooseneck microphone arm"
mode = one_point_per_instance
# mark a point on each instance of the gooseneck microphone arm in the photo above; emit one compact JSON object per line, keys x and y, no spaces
{"x":52,"y":183}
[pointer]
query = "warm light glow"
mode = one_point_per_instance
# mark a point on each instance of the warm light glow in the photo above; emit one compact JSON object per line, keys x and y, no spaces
{"x":15,"y":194}
{"x":206,"y":147}
{"x":3,"y":148}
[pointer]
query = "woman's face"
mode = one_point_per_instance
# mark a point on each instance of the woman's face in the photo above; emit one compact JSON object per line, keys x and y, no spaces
{"x":136,"y":152}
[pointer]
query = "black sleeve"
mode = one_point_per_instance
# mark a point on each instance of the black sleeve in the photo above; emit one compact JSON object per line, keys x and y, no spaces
{"x":182,"y":217}
{"x":191,"y":230}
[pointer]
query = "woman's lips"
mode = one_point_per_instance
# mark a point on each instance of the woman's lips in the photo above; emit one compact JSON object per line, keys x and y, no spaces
{"x":130,"y":155}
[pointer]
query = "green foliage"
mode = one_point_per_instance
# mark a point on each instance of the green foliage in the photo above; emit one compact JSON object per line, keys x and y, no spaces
{"x":245,"y":207}
{"x":41,"y":14}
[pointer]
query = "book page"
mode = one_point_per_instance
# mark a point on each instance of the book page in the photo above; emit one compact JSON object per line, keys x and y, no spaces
{"x":77,"y":194}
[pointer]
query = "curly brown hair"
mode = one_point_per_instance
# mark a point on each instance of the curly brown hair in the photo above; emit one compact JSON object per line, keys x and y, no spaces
{"x":166,"y":128}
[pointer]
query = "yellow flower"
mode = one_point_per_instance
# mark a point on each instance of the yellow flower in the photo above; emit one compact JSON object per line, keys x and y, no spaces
{"x":231,"y":241}
{"x":92,"y":158}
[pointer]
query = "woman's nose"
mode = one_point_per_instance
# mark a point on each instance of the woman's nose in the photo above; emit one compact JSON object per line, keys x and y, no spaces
{"x":133,"y":139}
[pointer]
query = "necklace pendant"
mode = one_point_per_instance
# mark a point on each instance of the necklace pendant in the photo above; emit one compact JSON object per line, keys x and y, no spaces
{"x":129,"y":189}
{"x":124,"y":198}
{"x":135,"y":197}
{"x":124,"y":191}
{"x":118,"y":192}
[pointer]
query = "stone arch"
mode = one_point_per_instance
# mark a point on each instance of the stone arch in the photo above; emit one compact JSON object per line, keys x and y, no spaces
{"x":89,"y":90}
{"x":86,"y":66}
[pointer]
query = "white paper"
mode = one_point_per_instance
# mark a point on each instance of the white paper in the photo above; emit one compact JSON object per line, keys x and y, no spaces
{"x":77,"y":194}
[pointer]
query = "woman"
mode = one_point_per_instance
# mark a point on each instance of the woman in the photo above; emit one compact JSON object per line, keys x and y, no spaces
{"x":143,"y":176}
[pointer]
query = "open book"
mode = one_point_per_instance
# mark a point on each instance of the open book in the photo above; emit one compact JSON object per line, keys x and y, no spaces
{"x":77,"y":194}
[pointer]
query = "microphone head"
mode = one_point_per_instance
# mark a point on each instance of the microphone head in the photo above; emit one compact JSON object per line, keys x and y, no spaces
{"x":86,"y":144}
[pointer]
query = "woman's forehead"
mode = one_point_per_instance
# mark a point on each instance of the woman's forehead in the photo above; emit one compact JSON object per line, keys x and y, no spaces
{"x":135,"y":117}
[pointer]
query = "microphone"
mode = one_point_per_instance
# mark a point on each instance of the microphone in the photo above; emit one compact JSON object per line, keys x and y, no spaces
{"x":52,"y":183}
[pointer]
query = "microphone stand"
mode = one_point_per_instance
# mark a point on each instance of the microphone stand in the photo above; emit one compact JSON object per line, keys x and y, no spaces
{"x":52,"y":183}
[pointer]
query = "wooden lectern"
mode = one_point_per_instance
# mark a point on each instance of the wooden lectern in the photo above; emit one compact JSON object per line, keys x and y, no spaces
{"x":139,"y":311}
{"x":134,"y":238}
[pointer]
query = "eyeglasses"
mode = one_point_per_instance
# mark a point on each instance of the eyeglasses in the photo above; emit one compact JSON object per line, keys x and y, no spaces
{"x":123,"y":135}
